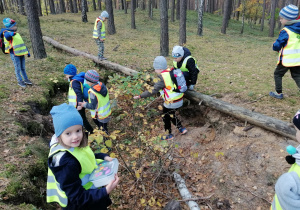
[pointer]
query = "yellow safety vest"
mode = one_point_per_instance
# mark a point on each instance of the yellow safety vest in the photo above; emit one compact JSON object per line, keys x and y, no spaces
{"x":103,"y":110}
{"x":88,"y":163}
{"x":168,"y":93}
{"x":183,"y":66}
{"x":95,"y":33}
{"x":72,"y":95}
{"x":17,"y":44}
{"x":291,"y":52}
{"x":275,"y":203}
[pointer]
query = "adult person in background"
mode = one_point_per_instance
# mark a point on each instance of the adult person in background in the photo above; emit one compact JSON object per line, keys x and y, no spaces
{"x":99,"y":34}
{"x":184,"y":61}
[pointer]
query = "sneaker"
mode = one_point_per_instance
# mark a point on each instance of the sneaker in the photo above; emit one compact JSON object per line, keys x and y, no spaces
{"x":167,"y":137}
{"x":276,"y":95}
{"x":22,"y":84}
{"x":27,"y":82}
{"x":182,"y":130}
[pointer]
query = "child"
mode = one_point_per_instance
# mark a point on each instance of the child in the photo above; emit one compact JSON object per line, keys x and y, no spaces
{"x":98,"y":101}
{"x":76,"y":92}
{"x":14,"y":45}
{"x":172,"y":100}
{"x":287,"y":188}
{"x":99,"y":34}
{"x":187,"y":64}
{"x":288,"y":46}
{"x":71,"y":161}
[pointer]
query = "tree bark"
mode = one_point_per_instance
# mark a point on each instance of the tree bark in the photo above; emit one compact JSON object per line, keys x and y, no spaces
{"x":46,"y":7}
{"x":52,"y":7}
{"x":237,"y":14}
{"x":35,"y":31}
{"x":164,"y":28}
{"x":200,"y":18}
{"x":125,"y":6}
{"x":99,"y":5}
{"x":21,"y":7}
{"x":75,"y":6}
{"x":263,"y":16}
{"x":178,"y":10}
{"x":110,"y":22}
{"x":243,"y":16}
{"x":1,"y":7}
{"x":226,"y":15}
{"x":263,"y":121}
{"x":71,"y":6}
{"x":132,"y":15}
{"x":272,"y":20}
{"x":94,"y":5}
{"x":83,"y":11}
{"x":182,"y":28}
{"x":62,"y":6}
{"x":172,"y":10}
{"x":150,"y":9}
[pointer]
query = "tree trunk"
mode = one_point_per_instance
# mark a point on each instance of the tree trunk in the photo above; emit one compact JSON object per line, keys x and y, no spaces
{"x":35,"y":31}
{"x":46,"y":7}
{"x":164,"y":29}
{"x":150,"y":9}
{"x":110,"y":22}
{"x":75,"y":6}
{"x":178,"y":10}
{"x":83,"y":11}
{"x":52,"y":7}
{"x":21,"y":7}
{"x":200,"y":18}
{"x":39,"y":7}
{"x":237,"y":14}
{"x":1,"y":7}
{"x":266,"y":122}
{"x":94,"y":5}
{"x":272,"y":20}
{"x":71,"y":6}
{"x":62,"y":6}
{"x":99,"y":5}
{"x":243,"y":16}
{"x":172,"y":10}
{"x":182,"y":28}
{"x":132,"y":15}
{"x":125,"y":6}
{"x":225,"y":16}
{"x":263,"y":16}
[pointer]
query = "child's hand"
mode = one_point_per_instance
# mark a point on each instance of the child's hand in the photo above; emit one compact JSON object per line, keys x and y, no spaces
{"x":136,"y":97}
{"x":113,"y":184}
{"x":107,"y":158}
{"x":82,"y":104}
{"x":79,"y":107}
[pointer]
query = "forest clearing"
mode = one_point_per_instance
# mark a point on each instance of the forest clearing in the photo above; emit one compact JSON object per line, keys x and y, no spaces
{"x":226,"y":163}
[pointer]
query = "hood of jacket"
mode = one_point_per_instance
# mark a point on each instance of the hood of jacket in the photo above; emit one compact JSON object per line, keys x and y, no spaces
{"x":100,"y":88}
{"x":294,"y":27}
{"x":79,"y":77}
{"x":187,"y":53}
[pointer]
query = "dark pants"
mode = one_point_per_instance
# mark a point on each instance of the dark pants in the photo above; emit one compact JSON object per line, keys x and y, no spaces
{"x":170,"y":116}
{"x":280,"y":72}
{"x":86,"y":123}
{"x":101,"y":126}
{"x":187,"y":78}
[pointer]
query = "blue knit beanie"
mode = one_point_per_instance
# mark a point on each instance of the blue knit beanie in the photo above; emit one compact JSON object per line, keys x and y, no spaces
{"x":296,"y":119}
{"x":64,"y":116}
{"x":8,"y":22}
{"x":289,"y":12}
{"x":70,"y":69}
{"x":287,"y":189}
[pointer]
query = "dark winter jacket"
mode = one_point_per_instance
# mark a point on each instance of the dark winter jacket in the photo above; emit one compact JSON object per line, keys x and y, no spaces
{"x":67,"y":174}
{"x":191,"y":66}
{"x":284,"y":37}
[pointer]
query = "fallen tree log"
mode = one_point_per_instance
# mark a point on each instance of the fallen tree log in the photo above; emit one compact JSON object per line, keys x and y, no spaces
{"x":104,"y":63}
{"x":263,"y":121}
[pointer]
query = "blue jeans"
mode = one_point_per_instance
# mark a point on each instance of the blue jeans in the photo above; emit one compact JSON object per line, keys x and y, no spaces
{"x":19,"y":63}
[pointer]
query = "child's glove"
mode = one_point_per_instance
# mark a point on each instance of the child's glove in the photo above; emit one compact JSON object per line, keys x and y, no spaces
{"x":191,"y":87}
{"x":28,"y":55}
{"x":290,"y":159}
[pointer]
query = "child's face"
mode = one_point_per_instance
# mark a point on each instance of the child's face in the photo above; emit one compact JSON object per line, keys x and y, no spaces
{"x":67,"y":76}
{"x":297,"y":134}
{"x":178,"y":59}
{"x":283,"y":21}
{"x":72,"y":136}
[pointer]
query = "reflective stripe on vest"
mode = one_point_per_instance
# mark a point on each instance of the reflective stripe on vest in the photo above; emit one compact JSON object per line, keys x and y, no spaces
{"x":275,"y":203}
{"x":102,"y":31}
{"x":88,"y":163}
{"x":167,"y":93}
{"x":72,"y":95}
{"x":103,"y":110}
{"x":18,"y":45}
{"x":291,"y":52}
{"x":183,"y":66}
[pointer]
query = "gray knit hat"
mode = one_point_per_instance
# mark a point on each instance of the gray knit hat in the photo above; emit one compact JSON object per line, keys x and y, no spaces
{"x":177,"y":52}
{"x":287,"y":189}
{"x":289,"y":12}
{"x":91,"y":76}
{"x":160,"y":63}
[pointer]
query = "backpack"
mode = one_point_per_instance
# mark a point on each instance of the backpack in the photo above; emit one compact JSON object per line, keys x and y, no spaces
{"x":179,"y":80}
{"x":2,"y":45}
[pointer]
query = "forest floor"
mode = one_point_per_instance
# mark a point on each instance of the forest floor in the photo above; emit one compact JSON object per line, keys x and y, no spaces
{"x":228,"y":167}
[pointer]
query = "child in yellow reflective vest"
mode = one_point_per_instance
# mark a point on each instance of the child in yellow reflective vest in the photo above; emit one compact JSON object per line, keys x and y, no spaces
{"x":14,"y":45}
{"x":70,"y":163}
{"x":287,"y":187}
{"x":99,"y":33}
{"x":172,"y":100}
